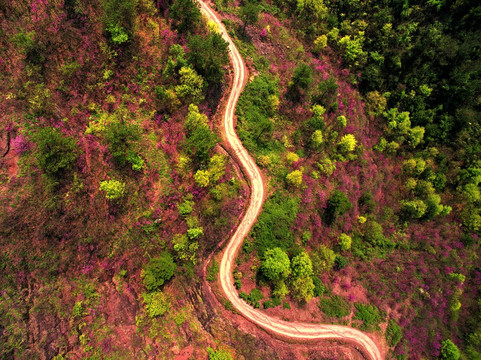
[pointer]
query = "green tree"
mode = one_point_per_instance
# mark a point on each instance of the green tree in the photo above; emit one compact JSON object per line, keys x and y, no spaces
{"x":195,"y":232}
{"x":312,"y":11}
{"x":185,"y":15}
{"x":186,"y":250}
{"x":249,"y":13}
{"x":119,"y":19}
{"x":301,"y":266}
{"x":322,"y":259}
{"x":302,"y":288}
{"x":294,"y":178}
{"x":347,"y":143}
{"x":194,"y":119}
{"x":302,"y":76}
{"x":449,"y":351}
{"x":275,"y":264}
{"x":159,"y":270}
{"x":201,"y":177}
{"x":216,"y":167}
{"x":413,"y":208}
{"x":301,"y":79}
{"x":191,"y":86}
{"x":375,"y":103}
{"x":209,"y":56}
{"x":345,"y":242}
{"x":320,"y":43}
{"x":317,"y":139}
{"x":56,"y":153}
{"x":199,"y":143}
{"x":280,"y":289}
{"x":200,"y":139}
{"x":342,"y":121}
{"x":353,"y":52}
{"x":114,"y":189}
{"x":177,"y":60}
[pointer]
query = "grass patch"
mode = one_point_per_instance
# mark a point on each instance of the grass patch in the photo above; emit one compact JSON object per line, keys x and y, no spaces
{"x":369,"y":315}
{"x":335,"y":306}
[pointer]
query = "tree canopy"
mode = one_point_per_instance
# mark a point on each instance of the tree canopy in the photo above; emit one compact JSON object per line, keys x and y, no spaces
{"x":276,"y":264}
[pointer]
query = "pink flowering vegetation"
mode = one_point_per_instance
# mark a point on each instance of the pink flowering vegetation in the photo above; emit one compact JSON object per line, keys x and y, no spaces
{"x":95,"y":214}
{"x":399,"y":262}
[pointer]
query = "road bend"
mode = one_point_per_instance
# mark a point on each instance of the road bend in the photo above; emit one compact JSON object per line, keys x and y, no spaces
{"x":292,"y":330}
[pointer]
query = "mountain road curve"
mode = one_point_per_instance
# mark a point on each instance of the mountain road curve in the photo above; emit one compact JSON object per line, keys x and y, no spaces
{"x":291,"y":330}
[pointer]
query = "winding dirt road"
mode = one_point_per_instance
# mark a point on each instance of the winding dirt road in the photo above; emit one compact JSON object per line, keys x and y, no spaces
{"x":292,"y":330}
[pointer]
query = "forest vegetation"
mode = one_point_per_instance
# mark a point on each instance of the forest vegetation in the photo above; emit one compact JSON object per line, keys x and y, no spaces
{"x":116,"y":187}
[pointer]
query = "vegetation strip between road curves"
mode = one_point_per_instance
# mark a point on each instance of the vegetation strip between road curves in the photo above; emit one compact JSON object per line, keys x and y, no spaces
{"x":293,"y":330}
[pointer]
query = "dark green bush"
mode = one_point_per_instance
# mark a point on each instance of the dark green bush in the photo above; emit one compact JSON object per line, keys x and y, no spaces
{"x":366,"y":203}
{"x":209,"y":56}
{"x":185,"y":15}
{"x":253,"y":298}
{"x":119,"y":19}
{"x":276,"y":301}
{"x":337,"y":205}
{"x":121,"y":137}
{"x":319,"y":287}
{"x":56,"y":153}
{"x":340,"y":262}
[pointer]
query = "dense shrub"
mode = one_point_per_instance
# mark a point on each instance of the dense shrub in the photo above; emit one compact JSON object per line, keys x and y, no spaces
{"x":159,"y":270}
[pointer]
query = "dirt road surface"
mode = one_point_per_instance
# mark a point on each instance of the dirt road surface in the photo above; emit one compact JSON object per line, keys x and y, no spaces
{"x":292,"y":330}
